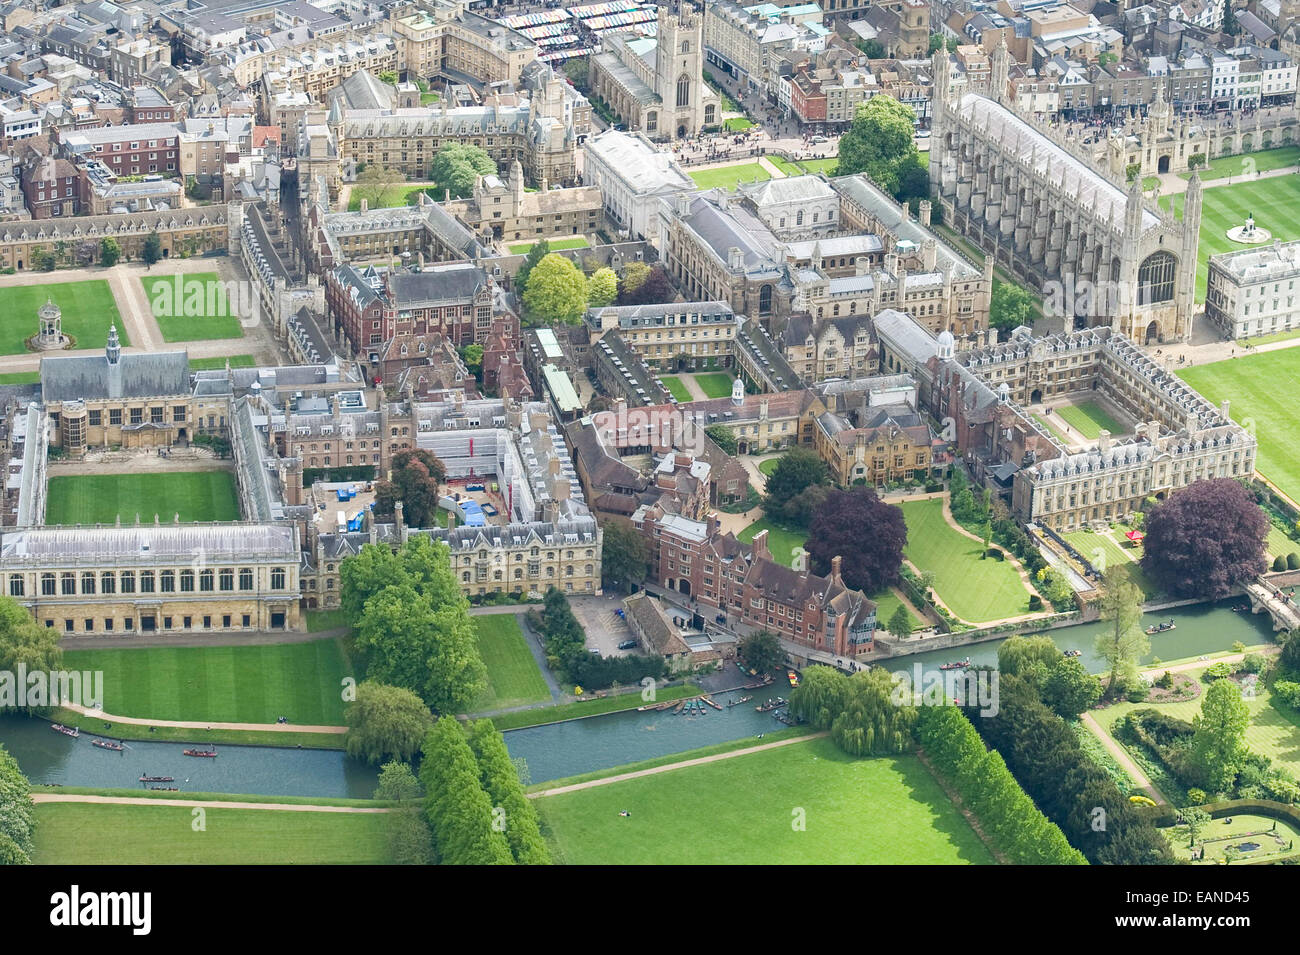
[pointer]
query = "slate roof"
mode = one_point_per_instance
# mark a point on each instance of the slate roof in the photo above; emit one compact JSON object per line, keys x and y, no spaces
{"x":79,"y":378}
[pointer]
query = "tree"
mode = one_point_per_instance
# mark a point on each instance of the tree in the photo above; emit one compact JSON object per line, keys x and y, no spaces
{"x":1070,"y":689}
{"x":500,"y":780}
{"x":1121,"y":643}
{"x":723,"y":437}
{"x":385,"y":721}
{"x":365,"y":574}
{"x":1230,"y":24}
{"x":109,"y":251}
{"x":1030,"y":658}
{"x":1010,"y":306}
{"x":17,"y":812}
{"x":1218,"y":748}
{"x":458,"y":809}
{"x":152,"y":250}
{"x":556,"y":292}
{"x":1191,"y":821}
{"x":900,"y":622}
{"x":388,"y":76}
{"x":26,"y":644}
{"x":761,"y":652}
{"x":867,"y":535}
{"x":820,"y":696}
{"x":634,"y":276}
{"x":457,"y":166}
{"x":540,"y":250}
{"x":655,"y":289}
{"x":1131,"y":171}
{"x":472,"y":356}
{"x":1205,"y":539}
{"x":795,"y":470}
{"x":397,"y":782}
{"x":414,"y":480}
{"x":872,"y":48}
{"x":880,"y":142}
{"x":871,"y":723}
{"x":602,"y":288}
{"x":624,"y":555}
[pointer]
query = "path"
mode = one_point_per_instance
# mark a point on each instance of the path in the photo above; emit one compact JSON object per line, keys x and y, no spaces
{"x":1125,"y":761}
{"x":252,"y":638}
{"x":1173,"y":183}
{"x":197,"y":803}
{"x":205,"y":724}
{"x":698,"y":761}
{"x":771,"y":168}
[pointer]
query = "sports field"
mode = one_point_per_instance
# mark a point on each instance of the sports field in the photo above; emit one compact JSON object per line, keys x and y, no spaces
{"x":715,"y":384}
{"x":806,"y":803}
{"x":781,"y":540}
{"x":676,"y":388}
{"x":977,"y":591}
{"x":1222,"y":207}
{"x":244,"y":684}
{"x":103,"y":498}
{"x":88,"y":310}
{"x":1089,"y":418}
{"x":513,"y":676}
{"x":728,"y":177}
{"x":108,"y":834}
{"x":195,"y":306}
{"x":1262,"y":389}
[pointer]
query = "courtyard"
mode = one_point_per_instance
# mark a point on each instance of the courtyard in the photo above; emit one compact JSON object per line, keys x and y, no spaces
{"x":196,"y":306}
{"x":197,"y":496}
{"x":1089,"y":418}
{"x":729,"y":177}
{"x":738,"y":811}
{"x":88,"y":311}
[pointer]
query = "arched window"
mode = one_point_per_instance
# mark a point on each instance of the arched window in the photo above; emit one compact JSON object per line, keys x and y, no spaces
{"x":686,"y":46}
{"x":1156,"y":278}
{"x":708,"y":115}
{"x":684,"y":91}
{"x":765,"y":300}
{"x":798,"y":219}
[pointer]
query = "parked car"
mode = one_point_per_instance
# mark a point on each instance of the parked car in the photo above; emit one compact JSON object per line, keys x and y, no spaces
{"x":628,"y":645}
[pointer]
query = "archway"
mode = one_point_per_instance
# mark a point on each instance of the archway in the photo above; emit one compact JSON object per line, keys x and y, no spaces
{"x":681,"y":131}
{"x":1162,"y":165}
{"x":1153,"y":333}
{"x":685,"y":588}
{"x":1036,"y":396}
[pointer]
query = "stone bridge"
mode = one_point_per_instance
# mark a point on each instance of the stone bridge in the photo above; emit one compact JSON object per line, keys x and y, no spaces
{"x":1284,"y":611}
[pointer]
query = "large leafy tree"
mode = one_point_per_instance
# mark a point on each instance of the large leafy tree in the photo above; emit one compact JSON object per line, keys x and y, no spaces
{"x":796,"y":470}
{"x":152,"y":250}
{"x":109,"y":251}
{"x":364,"y":575}
{"x":1205,"y":539}
{"x":1121,"y":642}
{"x":540,"y":250}
{"x":871,"y":723}
{"x":1010,"y":306}
{"x":624,"y":555}
{"x":602,"y":289}
{"x":820,"y":696}
{"x":1070,"y":689}
{"x":761,"y":651}
{"x":867,"y":535}
{"x":723,"y":437}
{"x":457,"y":167}
{"x":414,"y":481}
{"x":634,"y":276}
{"x":879,"y":142}
{"x":1218,"y":748}
{"x":556,"y":292}
{"x":458,"y":809}
{"x":655,"y":289}
{"x":900,"y":622}
{"x":17,"y":813}
{"x":385,"y":721}
{"x":500,"y":780}
{"x":1031,"y":658}
{"x":25,"y":643}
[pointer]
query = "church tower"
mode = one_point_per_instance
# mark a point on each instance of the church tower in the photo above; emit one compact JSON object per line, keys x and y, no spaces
{"x":1186,"y":294}
{"x":679,"y":72}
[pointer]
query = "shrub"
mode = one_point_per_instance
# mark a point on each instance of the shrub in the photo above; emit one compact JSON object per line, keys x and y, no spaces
{"x":1254,"y":663}
{"x":1165,"y":681}
{"x":1293,"y":561}
{"x":1136,"y":693}
{"x":1196,"y":796}
{"x":1218,"y":671}
{"x":1288,"y":693}
{"x":995,"y":553}
{"x":1035,"y":602}
{"x":1279,"y":563}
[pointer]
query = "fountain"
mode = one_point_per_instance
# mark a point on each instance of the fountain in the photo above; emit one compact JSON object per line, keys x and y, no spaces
{"x":1249,"y":234}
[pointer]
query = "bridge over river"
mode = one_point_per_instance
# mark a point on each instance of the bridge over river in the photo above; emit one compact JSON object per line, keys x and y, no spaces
{"x":1283,"y":609}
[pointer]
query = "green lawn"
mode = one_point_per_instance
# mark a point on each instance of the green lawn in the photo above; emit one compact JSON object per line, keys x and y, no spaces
{"x":887,"y":603}
{"x":102,"y":498}
{"x":1055,"y":431}
{"x":1103,"y":553}
{"x":387,"y":197}
{"x":728,"y":177}
{"x":106,"y":834}
{"x":1269,"y":339}
{"x":1250,"y":163}
{"x":1278,"y":544}
{"x":593,"y":706}
{"x":244,"y":684}
{"x":217,"y":364}
{"x":318,"y":620}
{"x":1089,"y":418}
{"x":738,"y":124}
{"x":556,"y":245}
{"x":197,"y":309}
{"x":513,"y":676}
{"x":815,"y":166}
{"x":21,"y":378}
{"x":88,"y":310}
{"x":1274,"y":729}
{"x":676,"y":388}
{"x":742,"y":810}
{"x":977,"y":591}
{"x":1279,"y":839}
{"x":427,"y":98}
{"x":767,"y":467}
{"x":1226,"y":206}
{"x":1261,"y":388}
{"x":715,"y":384}
{"x":781,"y":540}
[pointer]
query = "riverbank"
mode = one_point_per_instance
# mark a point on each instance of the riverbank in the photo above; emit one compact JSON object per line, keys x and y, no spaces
{"x":158,"y":733}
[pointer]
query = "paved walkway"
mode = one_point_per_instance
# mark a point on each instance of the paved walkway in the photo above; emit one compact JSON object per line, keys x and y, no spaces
{"x":38,"y":797}
{"x":252,"y":638}
{"x":653,"y":771}
{"x":1125,"y":761}
{"x":772,"y":169}
{"x":1173,"y":183}
{"x":205,"y":724}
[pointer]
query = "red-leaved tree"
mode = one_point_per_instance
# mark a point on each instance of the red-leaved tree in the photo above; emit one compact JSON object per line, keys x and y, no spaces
{"x":1205,"y":539}
{"x":867,"y":535}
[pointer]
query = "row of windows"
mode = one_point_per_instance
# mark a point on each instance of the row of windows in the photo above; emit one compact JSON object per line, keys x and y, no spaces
{"x":126,"y":581}
{"x":109,"y":624}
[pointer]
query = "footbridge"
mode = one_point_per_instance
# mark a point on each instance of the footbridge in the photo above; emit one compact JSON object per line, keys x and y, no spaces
{"x":1281,"y":607}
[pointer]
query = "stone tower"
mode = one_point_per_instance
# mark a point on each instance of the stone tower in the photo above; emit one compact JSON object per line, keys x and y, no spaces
{"x":679,"y":71}
{"x":1000,"y":72}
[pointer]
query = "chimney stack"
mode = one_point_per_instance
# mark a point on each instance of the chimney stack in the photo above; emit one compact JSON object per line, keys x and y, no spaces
{"x":760,"y":547}
{"x":835,"y":570}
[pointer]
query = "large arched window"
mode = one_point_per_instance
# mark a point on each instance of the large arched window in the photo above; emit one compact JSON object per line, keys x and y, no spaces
{"x":684,"y":91}
{"x":1156,"y":278}
{"x":765,"y":300}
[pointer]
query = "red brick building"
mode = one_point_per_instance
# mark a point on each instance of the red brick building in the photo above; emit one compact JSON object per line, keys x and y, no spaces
{"x":51,"y":187}
{"x":131,"y":150}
